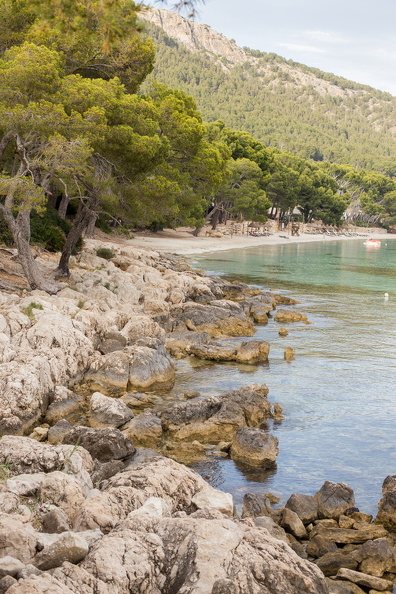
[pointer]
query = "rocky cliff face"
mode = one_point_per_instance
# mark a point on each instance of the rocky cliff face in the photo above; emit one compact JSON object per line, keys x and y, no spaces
{"x":196,"y":37}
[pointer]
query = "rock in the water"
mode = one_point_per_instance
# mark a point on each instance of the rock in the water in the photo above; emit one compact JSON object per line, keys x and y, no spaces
{"x":334,"y":499}
{"x":387,"y":506}
{"x":253,"y":352}
{"x":289,"y":315}
{"x":216,"y":418}
{"x":108,"y":412}
{"x":144,"y":430}
{"x":179,"y":343}
{"x":288,"y":354}
{"x":254,"y":446}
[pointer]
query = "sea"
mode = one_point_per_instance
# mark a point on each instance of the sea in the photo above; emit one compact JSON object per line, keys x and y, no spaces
{"x":339,"y":393}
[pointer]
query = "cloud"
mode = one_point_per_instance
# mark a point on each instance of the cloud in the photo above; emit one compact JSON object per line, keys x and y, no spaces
{"x":299,"y":47}
{"x":326,"y":36}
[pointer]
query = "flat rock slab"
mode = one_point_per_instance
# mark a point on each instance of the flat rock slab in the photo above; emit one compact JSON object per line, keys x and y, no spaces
{"x":348,"y":536}
{"x":364,"y":579}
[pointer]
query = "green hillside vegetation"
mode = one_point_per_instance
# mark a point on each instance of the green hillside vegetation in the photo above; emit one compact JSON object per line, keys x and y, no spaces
{"x":284,"y":104}
{"x":79,"y":146}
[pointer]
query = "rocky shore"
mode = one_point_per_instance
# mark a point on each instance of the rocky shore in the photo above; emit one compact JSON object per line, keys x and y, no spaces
{"x":93,"y":495}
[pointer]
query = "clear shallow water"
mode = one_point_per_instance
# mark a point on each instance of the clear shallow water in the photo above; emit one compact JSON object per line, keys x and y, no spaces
{"x":339,"y":395}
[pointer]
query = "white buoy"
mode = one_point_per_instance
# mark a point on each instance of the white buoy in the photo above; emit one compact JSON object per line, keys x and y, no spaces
{"x":386,"y":296}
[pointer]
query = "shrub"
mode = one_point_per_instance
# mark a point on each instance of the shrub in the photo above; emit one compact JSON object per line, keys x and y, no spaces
{"x":105,"y":253}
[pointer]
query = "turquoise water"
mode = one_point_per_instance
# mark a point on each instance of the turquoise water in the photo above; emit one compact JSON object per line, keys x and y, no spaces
{"x":338,"y":395}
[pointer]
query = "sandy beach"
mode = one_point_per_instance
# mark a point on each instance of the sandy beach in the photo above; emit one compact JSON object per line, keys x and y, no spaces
{"x":181,"y":241}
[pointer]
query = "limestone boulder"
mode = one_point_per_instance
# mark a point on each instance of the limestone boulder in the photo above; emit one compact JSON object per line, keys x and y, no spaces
{"x":319,"y":545}
{"x":387,"y":506}
{"x":64,"y":491}
{"x":63,"y":403}
{"x":127,"y":491}
{"x":254,"y":446}
{"x":220,"y":319}
{"x":199,"y":555}
{"x":69,"y":547}
{"x":256,"y":504}
{"x":25,"y":484}
{"x":55,"y":521}
{"x":292,"y":523}
{"x":376,"y":557}
{"x":179,"y":343}
{"x":37,"y":584}
{"x":10,"y":566}
{"x":349,"y":536}
{"x":144,"y":430}
{"x":253,"y":352}
{"x":103,"y":444}
{"x":305,"y":506}
{"x":330,"y":563}
{"x":136,"y":367}
{"x":213,"y":352}
{"x":216,"y":418}
{"x":267,"y":523}
{"x":26,"y":455}
{"x":209,"y":498}
{"x":57,"y":432}
{"x":108,"y":412}
{"x":286,"y":316}
{"x":334,"y":499}
{"x":17,"y":539}
{"x":365,"y":580}
{"x":140,"y":326}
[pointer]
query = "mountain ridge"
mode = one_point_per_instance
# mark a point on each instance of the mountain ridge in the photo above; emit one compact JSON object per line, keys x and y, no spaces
{"x":282,"y":103}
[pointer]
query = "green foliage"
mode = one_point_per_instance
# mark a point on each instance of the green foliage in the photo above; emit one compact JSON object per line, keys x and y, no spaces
{"x":105,"y":253}
{"x":284,"y":105}
{"x":28,"y":310}
{"x":49,"y":230}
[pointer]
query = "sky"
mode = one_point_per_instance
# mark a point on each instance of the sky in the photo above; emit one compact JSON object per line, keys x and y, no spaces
{"x":353,"y":39}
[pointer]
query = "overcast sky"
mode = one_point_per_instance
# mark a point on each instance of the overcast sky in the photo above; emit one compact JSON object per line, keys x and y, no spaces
{"x":354,"y":39}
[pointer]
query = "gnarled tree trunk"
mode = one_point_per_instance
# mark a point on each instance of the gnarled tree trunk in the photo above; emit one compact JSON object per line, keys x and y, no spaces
{"x":81,"y":222}
{"x":20,"y":229}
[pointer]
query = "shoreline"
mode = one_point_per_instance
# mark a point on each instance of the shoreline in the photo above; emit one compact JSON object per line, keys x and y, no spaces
{"x":182,"y":242}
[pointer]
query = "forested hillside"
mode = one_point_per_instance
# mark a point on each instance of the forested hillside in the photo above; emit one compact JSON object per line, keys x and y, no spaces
{"x":281,"y":103}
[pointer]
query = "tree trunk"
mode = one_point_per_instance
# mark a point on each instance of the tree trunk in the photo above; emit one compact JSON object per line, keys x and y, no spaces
{"x":62,"y":208}
{"x":90,"y":231}
{"x":215,"y":219}
{"x":80,"y":224}
{"x":197,"y":230}
{"x":20,"y":229}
